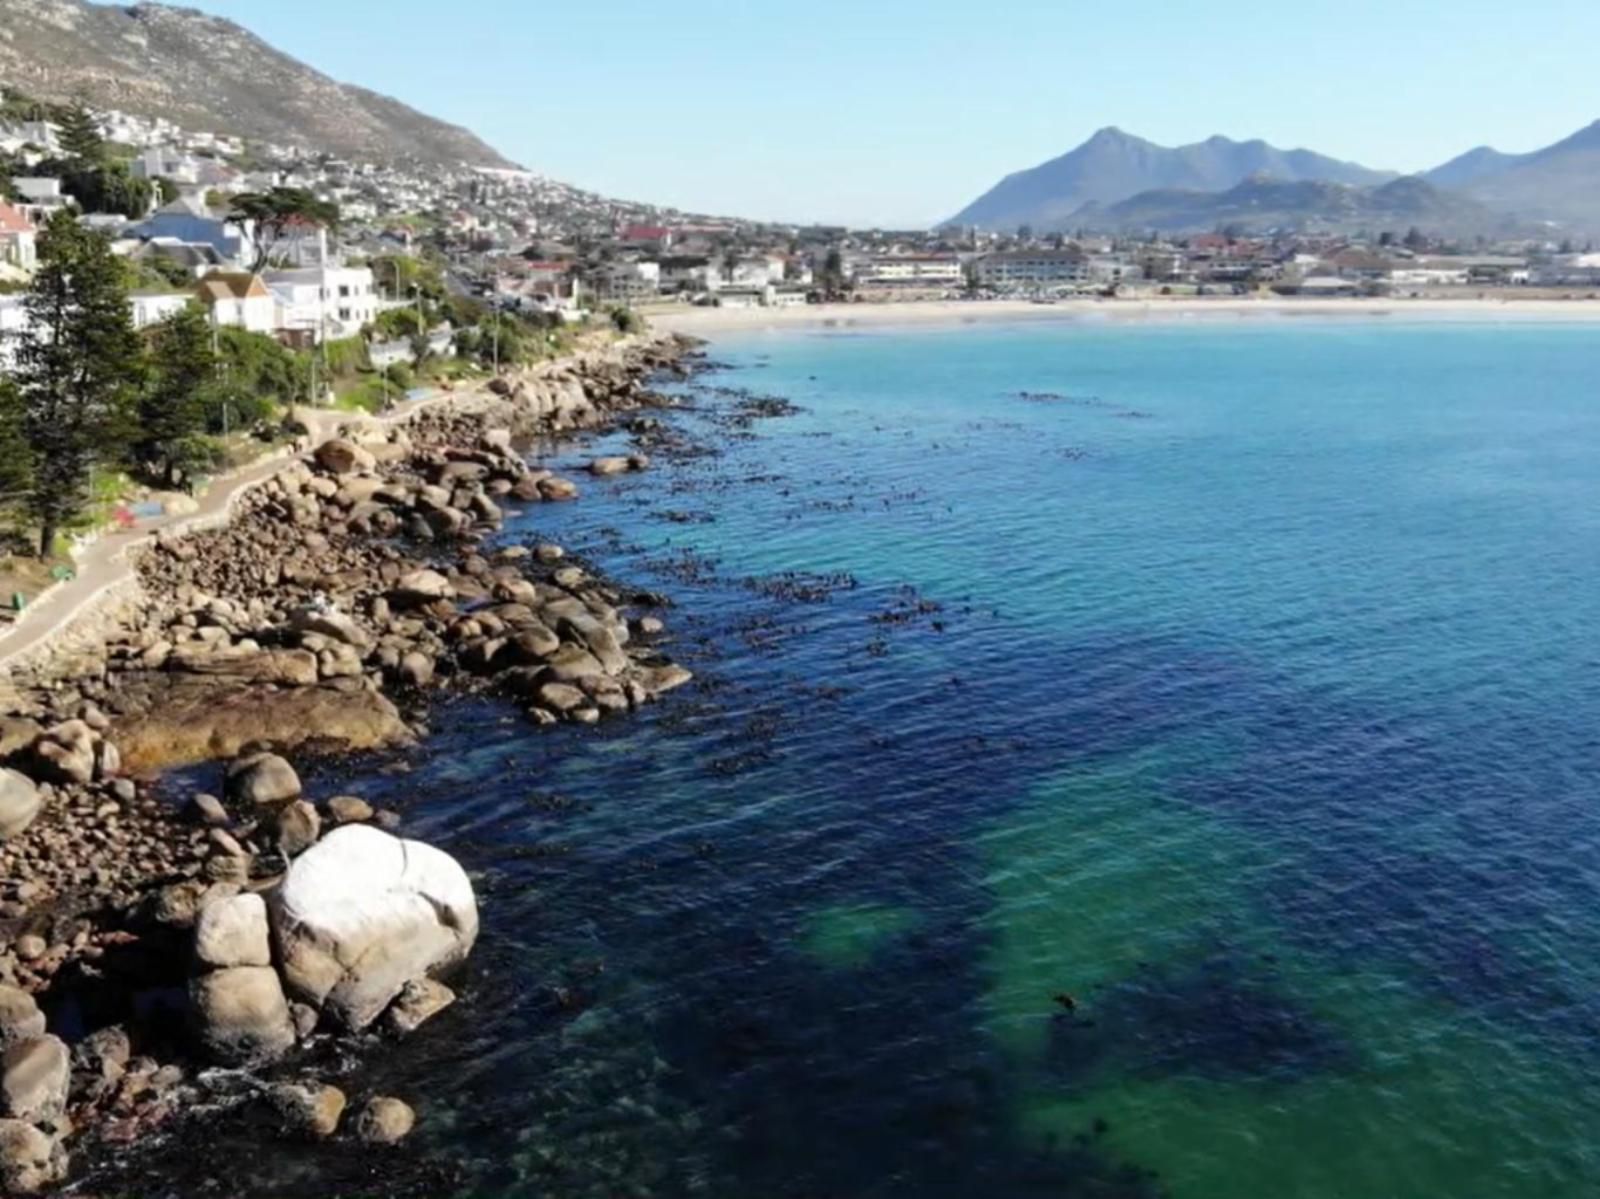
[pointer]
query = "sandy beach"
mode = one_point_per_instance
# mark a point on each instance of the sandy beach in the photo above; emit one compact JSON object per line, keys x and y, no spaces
{"x":704,"y":322}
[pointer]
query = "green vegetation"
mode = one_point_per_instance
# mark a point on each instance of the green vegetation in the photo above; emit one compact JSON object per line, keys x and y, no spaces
{"x":90,"y":173}
{"x":74,"y":387}
{"x":275,"y":212}
{"x":91,"y":398}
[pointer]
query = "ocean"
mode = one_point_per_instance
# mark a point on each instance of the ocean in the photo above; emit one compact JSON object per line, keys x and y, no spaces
{"x":1123,"y":761}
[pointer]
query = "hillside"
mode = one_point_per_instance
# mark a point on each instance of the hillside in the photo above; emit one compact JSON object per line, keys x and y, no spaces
{"x":1558,"y":184}
{"x":1112,"y":166}
{"x":206,"y":73}
{"x":1470,"y":167}
{"x":1262,"y":204}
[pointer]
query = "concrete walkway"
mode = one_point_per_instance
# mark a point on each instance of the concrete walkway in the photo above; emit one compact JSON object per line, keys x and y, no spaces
{"x":107,"y":564}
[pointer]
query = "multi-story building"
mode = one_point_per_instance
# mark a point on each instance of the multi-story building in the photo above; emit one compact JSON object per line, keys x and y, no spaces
{"x":324,"y":301}
{"x":911,"y":270}
{"x":1021,"y":270}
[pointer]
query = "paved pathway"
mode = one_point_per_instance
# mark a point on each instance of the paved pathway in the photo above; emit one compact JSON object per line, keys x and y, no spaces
{"x":107,"y":563}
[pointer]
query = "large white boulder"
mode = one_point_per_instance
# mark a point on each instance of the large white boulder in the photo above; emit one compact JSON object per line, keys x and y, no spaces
{"x":362,"y":913}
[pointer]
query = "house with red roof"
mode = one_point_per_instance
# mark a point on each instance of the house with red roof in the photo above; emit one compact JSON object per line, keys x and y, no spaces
{"x":17,"y":238}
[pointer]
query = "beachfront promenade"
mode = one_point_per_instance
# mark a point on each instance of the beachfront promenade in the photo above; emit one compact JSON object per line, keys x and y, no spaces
{"x":106,"y":565}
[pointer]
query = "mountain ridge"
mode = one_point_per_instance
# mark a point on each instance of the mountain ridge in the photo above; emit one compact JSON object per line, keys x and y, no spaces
{"x":205,"y":72}
{"x":1112,"y":165}
{"x":1559,"y":183}
{"x":1261,"y":204}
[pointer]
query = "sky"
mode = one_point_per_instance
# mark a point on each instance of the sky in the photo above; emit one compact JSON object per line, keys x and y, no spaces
{"x":897,"y":113}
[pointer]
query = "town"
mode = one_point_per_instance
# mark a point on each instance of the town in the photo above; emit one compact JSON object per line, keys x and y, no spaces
{"x":519,"y":243}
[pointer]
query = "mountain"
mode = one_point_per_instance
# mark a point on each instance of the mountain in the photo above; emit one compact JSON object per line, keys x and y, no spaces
{"x":1470,"y":167}
{"x":1112,"y":166}
{"x":208,"y":74}
{"x":1560,"y":183}
{"x":1261,"y":204}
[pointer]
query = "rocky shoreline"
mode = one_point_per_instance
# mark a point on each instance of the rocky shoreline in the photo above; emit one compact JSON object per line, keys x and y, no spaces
{"x":146,"y":935}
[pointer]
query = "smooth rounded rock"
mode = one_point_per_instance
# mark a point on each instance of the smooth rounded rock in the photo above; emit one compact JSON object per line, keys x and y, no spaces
{"x":34,"y":1075}
{"x":30,"y":1161}
{"x":309,"y":1109}
{"x":20,"y":1017}
{"x":384,"y":1121}
{"x":262,"y":779}
{"x":20,"y":802}
{"x":234,"y":932}
{"x":241,"y":1014}
{"x":362,"y":913}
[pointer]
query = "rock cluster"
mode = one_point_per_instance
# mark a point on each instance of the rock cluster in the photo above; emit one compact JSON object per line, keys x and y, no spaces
{"x":355,"y":574}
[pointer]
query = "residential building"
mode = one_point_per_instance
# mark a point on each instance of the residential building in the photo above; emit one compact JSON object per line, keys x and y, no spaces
{"x":198,"y":258}
{"x":1032,"y":269}
{"x":1568,"y":270}
{"x":657,"y":238}
{"x":912,"y":270}
{"x":330,"y":301}
{"x":239,"y":299}
{"x":188,"y":219}
{"x":152,"y":309}
{"x":17,"y":238}
{"x":39,"y":197}
{"x":627,"y":281}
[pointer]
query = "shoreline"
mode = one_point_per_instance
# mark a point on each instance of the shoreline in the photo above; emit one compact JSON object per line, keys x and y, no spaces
{"x":323,"y":610}
{"x":706,"y":322}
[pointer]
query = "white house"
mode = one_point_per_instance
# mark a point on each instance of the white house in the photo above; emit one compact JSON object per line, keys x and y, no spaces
{"x":152,"y":309}
{"x":241,"y":300}
{"x":329,"y":301}
{"x":628,"y":280}
{"x":39,"y":197}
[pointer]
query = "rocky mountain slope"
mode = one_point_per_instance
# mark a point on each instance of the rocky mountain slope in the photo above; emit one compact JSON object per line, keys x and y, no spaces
{"x":206,"y":73}
{"x":1261,"y":204}
{"x":1112,"y":166}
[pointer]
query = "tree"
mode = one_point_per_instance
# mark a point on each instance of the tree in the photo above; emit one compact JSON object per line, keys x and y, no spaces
{"x":108,"y":187}
{"x":172,"y":407}
{"x":80,"y":137}
{"x":275,"y":212}
{"x":257,"y":372}
{"x":16,"y":455}
{"x":78,"y":366}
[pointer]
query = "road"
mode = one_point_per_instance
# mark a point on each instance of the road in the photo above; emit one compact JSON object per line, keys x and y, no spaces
{"x":107,"y":564}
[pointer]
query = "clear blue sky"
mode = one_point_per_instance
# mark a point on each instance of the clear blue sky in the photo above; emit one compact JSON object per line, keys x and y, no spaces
{"x":898,"y":112}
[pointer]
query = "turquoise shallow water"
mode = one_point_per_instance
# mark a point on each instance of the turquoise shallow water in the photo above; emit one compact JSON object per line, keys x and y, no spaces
{"x":1237,"y":687}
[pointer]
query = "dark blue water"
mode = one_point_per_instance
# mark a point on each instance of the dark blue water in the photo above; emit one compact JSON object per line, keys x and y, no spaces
{"x":1238,"y":694}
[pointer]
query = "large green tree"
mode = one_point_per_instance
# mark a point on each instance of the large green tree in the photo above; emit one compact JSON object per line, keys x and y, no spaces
{"x":80,"y":136}
{"x":77,"y":372}
{"x":172,"y":405}
{"x":275,"y":212}
{"x":16,"y":455}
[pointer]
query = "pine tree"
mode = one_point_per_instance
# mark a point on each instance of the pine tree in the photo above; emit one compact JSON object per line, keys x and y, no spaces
{"x":172,"y":406}
{"x":80,"y":137}
{"x":16,"y":455}
{"x":78,"y":367}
